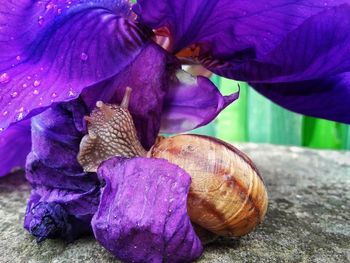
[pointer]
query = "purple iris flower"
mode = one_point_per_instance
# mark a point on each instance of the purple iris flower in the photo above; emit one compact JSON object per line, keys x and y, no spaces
{"x":58,"y":57}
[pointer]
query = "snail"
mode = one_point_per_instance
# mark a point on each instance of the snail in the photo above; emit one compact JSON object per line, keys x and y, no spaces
{"x":227,"y":195}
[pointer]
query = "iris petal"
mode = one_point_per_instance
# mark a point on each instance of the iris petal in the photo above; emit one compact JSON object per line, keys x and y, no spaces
{"x":142,"y":216}
{"x":51,"y":50}
{"x":61,"y":190}
{"x":315,"y":49}
{"x":50,"y":220}
{"x":246,"y":28}
{"x":15,"y":144}
{"x":327,"y":98}
{"x":192,"y":102}
{"x":304,"y":43}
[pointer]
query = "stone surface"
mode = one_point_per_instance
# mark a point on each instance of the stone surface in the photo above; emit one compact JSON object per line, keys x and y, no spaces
{"x":308,"y":218}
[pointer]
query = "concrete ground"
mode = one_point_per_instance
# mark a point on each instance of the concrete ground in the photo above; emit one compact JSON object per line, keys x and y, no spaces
{"x":308,"y":218}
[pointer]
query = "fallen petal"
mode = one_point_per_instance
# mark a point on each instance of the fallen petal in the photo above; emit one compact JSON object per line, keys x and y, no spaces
{"x":64,"y":198}
{"x":142,"y":216}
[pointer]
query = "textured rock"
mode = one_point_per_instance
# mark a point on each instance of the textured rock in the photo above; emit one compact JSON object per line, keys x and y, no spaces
{"x":308,"y":218}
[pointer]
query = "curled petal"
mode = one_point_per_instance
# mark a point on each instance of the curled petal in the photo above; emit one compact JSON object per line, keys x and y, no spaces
{"x":50,"y":220}
{"x":51,"y":50}
{"x":192,"y":102}
{"x":327,"y":98}
{"x":64,"y":198}
{"x":15,"y":144}
{"x":145,"y":221}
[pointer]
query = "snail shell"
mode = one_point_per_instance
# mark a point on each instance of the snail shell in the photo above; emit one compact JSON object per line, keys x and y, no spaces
{"x":227,"y":194}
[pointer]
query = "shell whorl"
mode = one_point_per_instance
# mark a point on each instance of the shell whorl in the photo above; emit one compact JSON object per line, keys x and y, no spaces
{"x":227,"y":194}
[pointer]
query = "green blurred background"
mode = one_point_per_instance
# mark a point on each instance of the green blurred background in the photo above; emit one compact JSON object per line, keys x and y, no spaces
{"x":253,"y":118}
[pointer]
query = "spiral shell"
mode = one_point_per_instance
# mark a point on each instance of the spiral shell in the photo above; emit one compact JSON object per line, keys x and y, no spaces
{"x":227,"y":194}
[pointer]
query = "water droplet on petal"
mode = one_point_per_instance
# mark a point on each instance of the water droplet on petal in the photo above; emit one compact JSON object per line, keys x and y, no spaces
{"x":36,"y":83}
{"x":71,"y":93}
{"x":29,"y":77}
{"x":35,"y":92}
{"x":18,"y":58}
{"x":5,"y":113}
{"x":14,"y":94}
{"x":40,"y":20}
{"x":4,"y":78}
{"x":24,"y":85}
{"x":19,"y":116}
{"x":54,"y":95}
{"x":21,"y":109}
{"x":59,"y":11}
{"x":84,"y":56}
{"x":50,"y":6}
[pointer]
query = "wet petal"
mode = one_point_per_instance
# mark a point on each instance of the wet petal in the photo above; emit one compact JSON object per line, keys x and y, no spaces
{"x":15,"y":144}
{"x":62,"y":192}
{"x":258,"y":41}
{"x":192,"y":102}
{"x":145,"y":221}
{"x":327,"y":98}
{"x":147,"y":76}
{"x":51,"y":50}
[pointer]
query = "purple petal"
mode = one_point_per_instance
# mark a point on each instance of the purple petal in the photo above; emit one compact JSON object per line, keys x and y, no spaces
{"x":15,"y":144}
{"x":50,"y":220}
{"x":51,"y":50}
{"x":324,"y":98}
{"x":142,"y":216}
{"x":192,"y":102}
{"x":277,"y":41}
{"x":147,"y":78}
{"x":315,"y":49}
{"x":63,"y":192}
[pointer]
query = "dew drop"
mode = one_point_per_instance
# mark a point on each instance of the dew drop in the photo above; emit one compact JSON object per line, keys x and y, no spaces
{"x":59,"y":11}
{"x":24,"y":85}
{"x":21,"y":109}
{"x":50,"y":6}
{"x":4,"y":78}
{"x":19,"y":116}
{"x":5,"y":113}
{"x":84,"y":56}
{"x":29,"y":77}
{"x":54,"y":95}
{"x":71,"y":93}
{"x":35,"y":92}
{"x":40,"y":20}
{"x":14,"y":94}
{"x":18,"y":58}
{"x":36,"y":83}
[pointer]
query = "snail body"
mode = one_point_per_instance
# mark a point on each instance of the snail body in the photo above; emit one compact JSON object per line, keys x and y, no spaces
{"x":227,"y":195}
